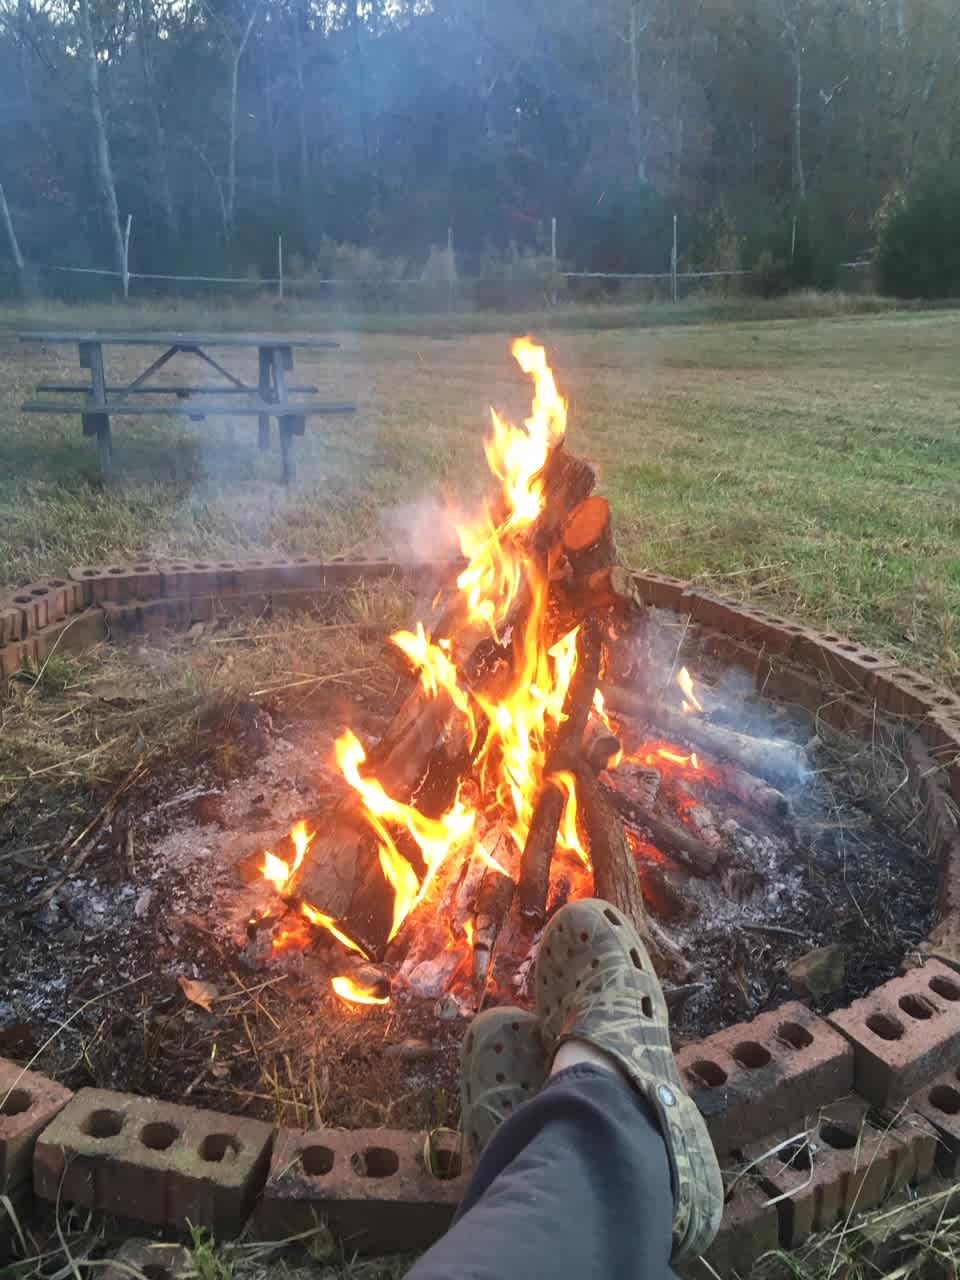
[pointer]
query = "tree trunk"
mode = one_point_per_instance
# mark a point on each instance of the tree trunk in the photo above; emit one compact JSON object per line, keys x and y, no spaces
{"x":158,"y":142}
{"x":12,"y":238}
{"x":799,"y":174}
{"x":636,"y":105}
{"x":106,"y":189}
{"x":232,"y":142}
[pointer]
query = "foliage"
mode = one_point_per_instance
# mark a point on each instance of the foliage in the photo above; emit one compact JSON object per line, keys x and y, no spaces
{"x":919,"y":249}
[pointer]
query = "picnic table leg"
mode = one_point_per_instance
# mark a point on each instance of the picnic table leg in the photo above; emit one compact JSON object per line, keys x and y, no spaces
{"x":97,"y":422}
{"x":265,"y":385}
{"x":290,"y":425}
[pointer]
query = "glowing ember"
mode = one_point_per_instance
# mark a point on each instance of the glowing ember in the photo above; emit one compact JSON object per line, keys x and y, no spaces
{"x":354,"y":993}
{"x":279,"y":872}
{"x":322,"y":921}
{"x":690,"y":701}
{"x":600,"y":709}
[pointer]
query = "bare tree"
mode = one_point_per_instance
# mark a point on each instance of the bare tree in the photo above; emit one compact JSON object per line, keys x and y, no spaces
{"x":158,"y":144}
{"x":236,"y":42}
{"x":103,"y":167}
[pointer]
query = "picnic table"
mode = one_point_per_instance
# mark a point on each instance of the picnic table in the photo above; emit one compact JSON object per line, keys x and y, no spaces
{"x":269,"y":398}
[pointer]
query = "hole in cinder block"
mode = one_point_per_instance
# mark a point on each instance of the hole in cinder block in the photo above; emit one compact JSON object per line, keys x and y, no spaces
{"x":869,"y":658}
{"x":217,"y":1147}
{"x":916,"y":1007}
{"x":16,"y":1102}
{"x":830,"y":639}
{"x":837,"y":1136}
{"x":56,"y":582}
{"x":200,"y":564}
{"x":141,"y":568}
{"x":445,"y":1163}
{"x":796,"y":1156}
{"x":847,"y":648}
{"x":709,"y":1073}
{"x":21,"y":600}
{"x":103,"y":1123}
{"x":158,"y":1135}
{"x":945,"y":1099}
{"x":116,"y":569}
{"x":751,"y":1055}
{"x":794,"y":1035}
{"x":375,"y":1162}
{"x":316,"y":1161}
{"x":945,"y":987}
{"x":885,"y":1026}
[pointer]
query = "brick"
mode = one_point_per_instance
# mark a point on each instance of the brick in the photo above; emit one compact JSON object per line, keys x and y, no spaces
{"x":370,"y":1186}
{"x":904,"y":1033}
{"x":903,"y":692}
{"x":845,"y":1166}
{"x":12,"y":658}
{"x":339,"y":572}
{"x":11,"y":623}
{"x":155,"y":1161}
{"x":939,"y":1104}
{"x":72,"y":635}
{"x":765,"y":1074}
{"x":42,"y":603}
{"x":930,"y":784}
{"x":118,"y":583}
{"x":850,"y":714}
{"x":775,"y":634}
{"x":28,"y":1102}
{"x":842,"y":660}
{"x":763,"y":630}
{"x":750,"y":1228}
{"x":15,"y":1211}
{"x":146,"y":618}
{"x":34,"y":605}
{"x":783,"y":682}
{"x":660,"y":590}
{"x":155,"y":1259}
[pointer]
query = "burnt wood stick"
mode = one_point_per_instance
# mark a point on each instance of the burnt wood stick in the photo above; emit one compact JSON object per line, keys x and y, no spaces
{"x":615,"y":875}
{"x":566,"y":481}
{"x":768,"y":757}
{"x":681,"y":845}
{"x":588,"y":538}
{"x":545,"y":823}
{"x":599,"y":745}
{"x":752,"y":792}
{"x":493,"y":903}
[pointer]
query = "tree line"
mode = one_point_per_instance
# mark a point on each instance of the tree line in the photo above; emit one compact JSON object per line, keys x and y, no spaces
{"x":221,"y":124}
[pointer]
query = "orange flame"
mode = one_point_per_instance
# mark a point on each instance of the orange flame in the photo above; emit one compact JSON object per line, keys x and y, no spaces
{"x":354,"y":993}
{"x":690,"y":702}
{"x":323,"y":921}
{"x":278,"y":872}
{"x":568,"y":836}
{"x":600,"y":709}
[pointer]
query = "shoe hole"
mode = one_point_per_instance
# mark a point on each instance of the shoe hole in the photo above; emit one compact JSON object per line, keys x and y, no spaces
{"x":468,"y":1092}
{"x":750,"y":1055}
{"x":375,"y":1162}
{"x":217,"y":1147}
{"x":711,"y":1074}
{"x":885,"y":1026}
{"x":16,"y":1102}
{"x":594,"y":964}
{"x":796,"y":1156}
{"x":500,"y":1077}
{"x":577,"y":983}
{"x":445,"y":1163}
{"x":917,"y":1007}
{"x":646,"y":1007}
{"x":794,"y":1035}
{"x":944,"y":987}
{"x":837,"y":1136}
{"x":525,"y":1086}
{"x":515,"y":1026}
{"x":570,"y":953}
{"x":498,"y":1048}
{"x":548,"y":951}
{"x":945,"y":1099}
{"x":159,"y":1135}
{"x":103,"y":1123}
{"x":469,"y":1045}
{"x":317,"y":1161}
{"x":508,"y":1106}
{"x":584,"y":937}
{"x":635,"y":957}
{"x":612,"y":917}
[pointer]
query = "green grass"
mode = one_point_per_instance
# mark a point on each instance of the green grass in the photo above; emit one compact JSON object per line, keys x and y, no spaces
{"x":813,"y":464}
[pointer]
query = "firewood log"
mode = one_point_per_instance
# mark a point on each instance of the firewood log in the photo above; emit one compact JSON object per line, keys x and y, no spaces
{"x":545,"y":823}
{"x":599,"y":745}
{"x":588,"y":538}
{"x":493,"y":903}
{"x":684,"y":847}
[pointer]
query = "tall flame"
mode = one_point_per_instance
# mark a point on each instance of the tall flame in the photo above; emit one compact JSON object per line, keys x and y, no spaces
{"x":354,"y":993}
{"x":690,"y":701}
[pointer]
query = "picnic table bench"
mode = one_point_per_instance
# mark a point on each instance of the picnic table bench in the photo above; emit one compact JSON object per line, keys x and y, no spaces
{"x":269,"y":398}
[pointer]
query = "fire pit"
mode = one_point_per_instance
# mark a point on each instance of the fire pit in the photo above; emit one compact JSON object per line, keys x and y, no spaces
{"x":561,"y":728}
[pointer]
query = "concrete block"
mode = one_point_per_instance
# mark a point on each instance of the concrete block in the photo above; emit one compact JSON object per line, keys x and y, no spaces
{"x":72,"y":635}
{"x":765,"y":1074}
{"x":904,"y":1033}
{"x":155,"y":1161}
{"x":127,"y":622}
{"x":155,"y":1259}
{"x":785,"y":683}
{"x":660,"y":589}
{"x":750,"y":1228}
{"x":118,"y":583}
{"x":844,"y":1165}
{"x":14,"y":1219}
{"x":190,"y":577}
{"x":28,"y":1102}
{"x":370,"y":1186}
{"x":939,"y":1104}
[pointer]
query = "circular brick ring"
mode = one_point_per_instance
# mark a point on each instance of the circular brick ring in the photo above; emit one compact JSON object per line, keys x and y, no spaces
{"x":894,"y":1053}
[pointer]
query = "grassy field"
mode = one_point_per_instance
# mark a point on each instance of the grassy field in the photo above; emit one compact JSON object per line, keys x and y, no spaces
{"x":812,"y":464}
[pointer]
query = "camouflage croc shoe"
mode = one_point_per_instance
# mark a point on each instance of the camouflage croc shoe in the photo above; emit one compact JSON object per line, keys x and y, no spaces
{"x":595,"y":983}
{"x":502,"y":1065}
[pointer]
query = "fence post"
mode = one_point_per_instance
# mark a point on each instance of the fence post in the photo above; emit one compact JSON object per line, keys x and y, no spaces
{"x":12,"y":237}
{"x":793,"y":242}
{"x":279,"y":266}
{"x":553,"y":258}
{"x":126,"y":257}
{"x":674,"y":283}
{"x":450,"y":268}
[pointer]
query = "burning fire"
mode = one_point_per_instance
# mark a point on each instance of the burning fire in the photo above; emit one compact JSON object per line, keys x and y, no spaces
{"x":354,"y":993}
{"x":690,"y":702}
{"x":279,"y":872}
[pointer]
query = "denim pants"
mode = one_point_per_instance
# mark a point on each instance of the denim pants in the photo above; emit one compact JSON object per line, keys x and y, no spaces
{"x":575,"y":1184}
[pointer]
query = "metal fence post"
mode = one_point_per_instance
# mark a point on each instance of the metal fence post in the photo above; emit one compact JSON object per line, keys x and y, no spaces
{"x":126,"y":257}
{"x":450,"y":268}
{"x":279,"y":266}
{"x":553,"y":259}
{"x":674,"y":282}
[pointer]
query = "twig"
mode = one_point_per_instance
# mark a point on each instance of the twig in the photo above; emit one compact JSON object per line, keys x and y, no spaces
{"x":295,"y":684}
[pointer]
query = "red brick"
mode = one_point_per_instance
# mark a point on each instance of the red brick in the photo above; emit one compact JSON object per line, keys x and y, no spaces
{"x":904,"y":1033}
{"x":750,"y":1228}
{"x":370,"y":1186}
{"x":842,"y":660}
{"x":28,"y":1102}
{"x":339,"y":572}
{"x":939,"y":1104}
{"x":72,"y":635}
{"x":844,"y":1166}
{"x":118,"y":583}
{"x":146,"y":618}
{"x":903,"y":692}
{"x":848,"y":713}
{"x":156,"y":1161}
{"x":763,"y":630}
{"x":660,"y":590}
{"x":12,"y":658}
{"x":783,"y":682}
{"x":766,"y":1073}
{"x":155,"y":1259}
{"x":11,"y":623}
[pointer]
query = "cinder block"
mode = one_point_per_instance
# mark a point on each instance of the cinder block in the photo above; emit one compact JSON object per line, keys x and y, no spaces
{"x":943,"y":941}
{"x":750,"y":1228}
{"x":34,"y":604}
{"x":761,"y":629}
{"x":189,"y":577}
{"x":155,"y":1259}
{"x":660,"y":589}
{"x":147,"y":618}
{"x":845,"y":1166}
{"x":72,"y":635}
{"x":371,"y":1187}
{"x":28,"y":1102}
{"x":118,"y":583}
{"x":904,"y":1033}
{"x":339,"y":572}
{"x":939,"y":1104}
{"x":15,"y":1210}
{"x":155,"y":1161}
{"x":765,"y":1074}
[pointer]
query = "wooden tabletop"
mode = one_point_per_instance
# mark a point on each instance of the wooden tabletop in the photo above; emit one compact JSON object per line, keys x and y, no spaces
{"x":149,"y":338}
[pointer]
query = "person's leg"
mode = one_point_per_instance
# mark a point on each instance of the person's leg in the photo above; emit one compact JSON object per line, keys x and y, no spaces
{"x":575,"y":1183}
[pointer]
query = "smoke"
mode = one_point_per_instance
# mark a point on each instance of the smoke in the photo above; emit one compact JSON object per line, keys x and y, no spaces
{"x":422,"y":530}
